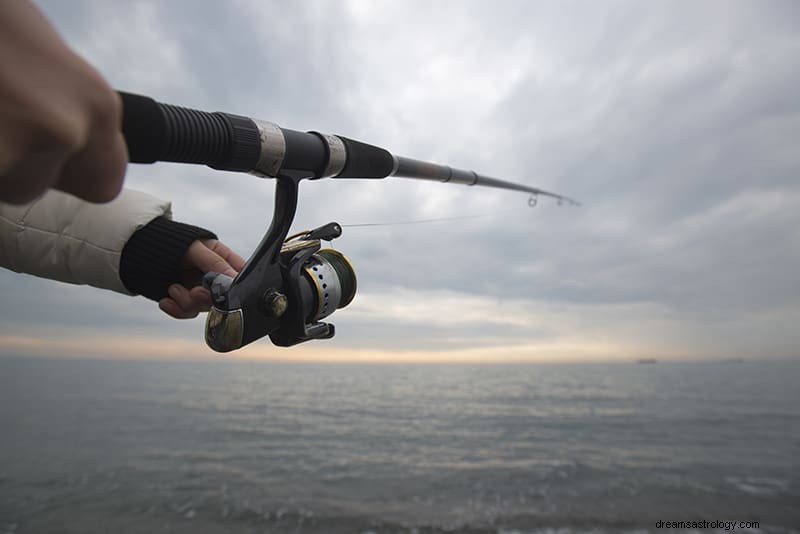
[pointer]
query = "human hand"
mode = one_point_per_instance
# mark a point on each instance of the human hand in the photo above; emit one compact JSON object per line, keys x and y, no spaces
{"x":188,"y":298}
{"x":60,"y":122}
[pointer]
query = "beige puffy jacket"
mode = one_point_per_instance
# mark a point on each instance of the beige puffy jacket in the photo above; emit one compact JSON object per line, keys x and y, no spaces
{"x":64,"y":238}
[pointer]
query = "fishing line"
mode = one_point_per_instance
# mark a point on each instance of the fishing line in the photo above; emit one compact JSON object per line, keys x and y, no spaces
{"x":433,"y":220}
{"x":416,"y":221}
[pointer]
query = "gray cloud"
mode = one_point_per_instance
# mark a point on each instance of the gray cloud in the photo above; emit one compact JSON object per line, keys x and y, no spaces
{"x":674,"y":122}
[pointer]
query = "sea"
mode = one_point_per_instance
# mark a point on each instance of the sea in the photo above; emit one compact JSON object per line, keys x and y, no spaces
{"x":216,"y":447}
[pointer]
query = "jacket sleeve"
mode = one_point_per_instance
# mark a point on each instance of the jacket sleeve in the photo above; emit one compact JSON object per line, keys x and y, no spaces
{"x":61,"y":237}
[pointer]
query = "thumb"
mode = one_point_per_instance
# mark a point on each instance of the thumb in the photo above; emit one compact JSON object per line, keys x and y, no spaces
{"x":204,"y":259}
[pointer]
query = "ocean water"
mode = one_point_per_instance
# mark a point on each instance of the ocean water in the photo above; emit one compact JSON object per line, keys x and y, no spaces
{"x":225,"y":447}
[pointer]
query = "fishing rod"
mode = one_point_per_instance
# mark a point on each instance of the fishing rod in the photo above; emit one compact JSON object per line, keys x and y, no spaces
{"x":289,"y":284}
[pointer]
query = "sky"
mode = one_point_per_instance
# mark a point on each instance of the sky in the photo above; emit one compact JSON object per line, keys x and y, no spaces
{"x":676,"y":124}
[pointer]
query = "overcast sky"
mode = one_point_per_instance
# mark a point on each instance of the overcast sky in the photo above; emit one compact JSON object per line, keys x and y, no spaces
{"x":676,"y":124}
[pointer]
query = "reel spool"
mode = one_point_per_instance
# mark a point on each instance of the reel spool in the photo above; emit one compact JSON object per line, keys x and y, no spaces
{"x":327,"y":279}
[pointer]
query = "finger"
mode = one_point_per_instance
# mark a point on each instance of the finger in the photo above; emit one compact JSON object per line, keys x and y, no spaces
{"x":191,"y":301}
{"x":200,"y":294}
{"x":199,"y":301}
{"x":235,"y":261}
{"x":201,"y":298}
{"x":181,"y":296}
{"x":96,"y":172}
{"x":31,"y":176}
{"x":171,"y":308}
{"x":204,"y":259}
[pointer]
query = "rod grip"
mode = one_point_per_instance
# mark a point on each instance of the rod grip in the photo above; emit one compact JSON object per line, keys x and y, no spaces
{"x":160,"y":132}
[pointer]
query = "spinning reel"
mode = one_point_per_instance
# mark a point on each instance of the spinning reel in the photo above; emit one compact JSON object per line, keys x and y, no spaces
{"x":283,"y":291}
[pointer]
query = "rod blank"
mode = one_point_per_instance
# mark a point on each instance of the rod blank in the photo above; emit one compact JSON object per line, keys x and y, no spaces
{"x":160,"y":132}
{"x":423,"y":170}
